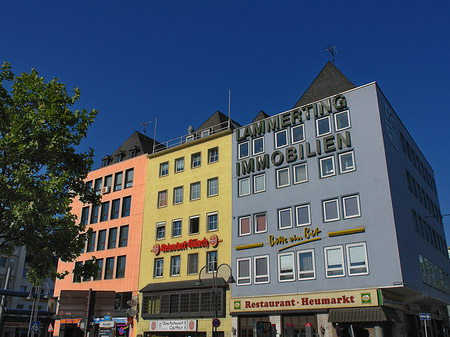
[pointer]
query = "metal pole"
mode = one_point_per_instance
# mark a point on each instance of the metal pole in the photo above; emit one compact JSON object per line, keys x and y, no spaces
{"x":3,"y":300}
{"x":32,"y":312}
{"x":87,"y":313}
{"x":425,"y":326}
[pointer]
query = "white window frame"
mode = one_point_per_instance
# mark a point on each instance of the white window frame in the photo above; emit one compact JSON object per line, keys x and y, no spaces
{"x":253,"y":147}
{"x":208,"y":215}
{"x":291,"y":274}
{"x":288,"y":176}
{"x":213,"y":158}
{"x":250,"y":225}
{"x":194,"y":217}
{"x":181,"y":228}
{"x":194,"y":162}
{"x":204,"y":133}
{"x":263,"y":175}
{"x":156,"y":269}
{"x":277,"y":146}
{"x":176,"y":201}
{"x":308,"y":206}
{"x":173,"y":265}
{"x":325,"y":219}
{"x":248,"y":149}
{"x":326,"y":249}
{"x":300,"y":278}
{"x":279,"y":217}
{"x":161,"y":172}
{"x":340,"y":155}
{"x":345,"y":208}
{"x":256,"y":223}
{"x":348,"y":118}
{"x":366,"y":262}
{"x":247,"y":279}
{"x":255,"y":258}
{"x":208,"y":187}
{"x":317,"y":126}
{"x":197,"y":183}
{"x":159,"y":225}
{"x":240,"y":186}
{"x":177,"y":160}
{"x":160,"y":199}
{"x":321,"y":160}
{"x":295,"y":173}
{"x":302,"y":126}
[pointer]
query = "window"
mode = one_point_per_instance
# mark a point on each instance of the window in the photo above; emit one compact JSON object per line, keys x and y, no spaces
{"x":341,"y":120}
{"x":243,"y":151}
{"x":120,"y":268}
{"x":109,"y":268}
{"x":126,"y":206}
{"x":179,"y":165}
{"x":158,"y":267}
{"x":260,"y":223}
{"x":283,"y":178}
{"x":281,"y":139}
{"x":160,"y":230}
{"x":91,"y":242}
{"x":258,"y":145}
{"x":323,"y":126}
{"x":76,"y":274}
{"x":162,"y":198}
{"x":244,"y":226}
{"x":195,"y":191}
{"x":244,"y":186}
{"x":327,"y":167}
{"x":213,"y":187}
{"x":213,"y":155}
{"x":101,"y":239}
{"x":98,"y":275}
{"x":88,"y":186}
{"x":94,"y":214}
{"x":300,"y":173}
{"x":351,"y":206}
{"x":211,"y":261}
{"x":85,"y":215}
{"x":357,"y":259}
{"x":303,"y":215}
{"x":123,"y":236}
{"x":306,"y":268}
{"x":204,"y":133}
{"x":346,"y":162}
{"x":196,"y":160}
{"x":163,"y":169}
{"x":211,"y":221}
{"x":334,"y":261}
{"x":259,"y":183}
{"x":194,"y":224}
{"x":286,"y":267}
{"x":284,"y":218}
{"x":261,"y":266}
{"x":115,"y":207}
{"x":176,"y":228}
{"x":118,"y":181}
{"x":129,"y":178}
{"x":98,"y":186}
{"x":243,"y":271}
{"x":193,"y":263}
{"x":175,"y":265}
{"x":297,"y":134}
{"x":331,"y":210}
{"x":112,"y":238}
{"x":107,"y":182}
{"x":178,"y":195}
{"x":105,"y":211}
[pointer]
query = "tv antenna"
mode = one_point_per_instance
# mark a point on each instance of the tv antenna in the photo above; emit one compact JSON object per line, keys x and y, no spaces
{"x":144,"y":126}
{"x":332,"y":49}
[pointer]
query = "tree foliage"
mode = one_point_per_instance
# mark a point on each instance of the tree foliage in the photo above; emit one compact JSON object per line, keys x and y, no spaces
{"x":41,"y":171}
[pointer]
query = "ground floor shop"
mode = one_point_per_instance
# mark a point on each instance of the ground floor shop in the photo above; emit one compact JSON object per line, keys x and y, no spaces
{"x":74,"y":327}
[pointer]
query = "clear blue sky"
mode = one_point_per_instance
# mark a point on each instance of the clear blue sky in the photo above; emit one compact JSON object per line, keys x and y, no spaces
{"x":175,"y":60}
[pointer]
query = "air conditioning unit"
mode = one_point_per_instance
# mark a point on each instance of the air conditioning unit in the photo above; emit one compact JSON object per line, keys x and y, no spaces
{"x":106,"y":189}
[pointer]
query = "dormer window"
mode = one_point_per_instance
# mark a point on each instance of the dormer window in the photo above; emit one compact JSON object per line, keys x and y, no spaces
{"x":105,"y":161}
{"x":134,"y":151}
{"x":118,"y":157}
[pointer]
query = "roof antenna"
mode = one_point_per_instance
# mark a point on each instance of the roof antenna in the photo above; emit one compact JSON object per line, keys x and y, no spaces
{"x":333,"y":50}
{"x":144,"y":126}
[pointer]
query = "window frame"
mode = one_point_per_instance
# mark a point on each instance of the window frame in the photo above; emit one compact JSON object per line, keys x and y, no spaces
{"x":344,"y":208}
{"x":256,"y":275}
{"x":126,"y":206}
{"x":109,"y":268}
{"x":327,"y":269}
{"x":321,"y":160}
{"x":308,"y":205}
{"x":305,"y":164}
{"x":255,"y":223}
{"x":158,"y":231}
{"x":115,"y":212}
{"x":253,"y":145}
{"x":163,"y":170}
{"x":101,"y":240}
{"x":278,"y":171}
{"x":190,"y":264}
{"x":300,"y":272}
{"x":112,"y":238}
{"x":175,"y":265}
{"x":177,"y":195}
{"x":193,"y":193}
{"x":118,"y":179}
{"x":158,"y":267}
{"x":279,"y":211}
{"x":342,"y":154}
{"x":247,"y":179}
{"x":160,"y":200}
{"x":196,"y":160}
{"x":240,"y":233}
{"x":247,"y":279}
{"x":263,"y":175}
{"x":291,"y":273}
{"x":347,"y":112}
{"x":173,"y":227}
{"x":366,"y":261}
{"x":213,"y":155}
{"x":208,"y":217}
{"x":128,"y":183}
{"x":324,"y":202}
{"x":278,"y":146}
{"x":247,"y":143}
{"x":179,"y":168}
{"x":104,"y":212}
{"x":302,"y":126}
{"x":124,"y":232}
{"x":212,"y":259}
{"x":191,"y":232}
{"x":210,"y":192}
{"x":120,"y":272}
{"x":318,"y":120}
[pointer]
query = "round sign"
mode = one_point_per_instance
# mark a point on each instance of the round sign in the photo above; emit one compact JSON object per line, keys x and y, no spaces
{"x":156,"y":249}
{"x":216,"y":322}
{"x":214,"y":240}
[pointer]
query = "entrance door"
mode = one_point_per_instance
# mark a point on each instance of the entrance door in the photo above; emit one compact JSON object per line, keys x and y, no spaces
{"x":299,"y":322}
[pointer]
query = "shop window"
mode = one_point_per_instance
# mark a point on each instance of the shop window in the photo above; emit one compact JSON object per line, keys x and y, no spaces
{"x":162,"y":198}
{"x":244,"y":226}
{"x":244,"y":271}
{"x":212,"y":221}
{"x":160,"y":230}
{"x":323,"y":126}
{"x":327,"y":167}
{"x":260,"y":223}
{"x":213,"y":187}
{"x":158,"y":267}
{"x":192,"y":263}
{"x":306,"y":265}
{"x":123,"y":236}
{"x":244,"y":187}
{"x":331,"y":210}
{"x":281,"y":139}
{"x":98,"y":186}
{"x":109,"y":268}
{"x":112,"y":238}
{"x":243,"y":150}
{"x":286,"y":267}
{"x":258,"y":145}
{"x":101,"y":239}
{"x":118,"y":181}
{"x":175,"y":265}
{"x":195,"y":191}
{"x":334,"y":261}
{"x":164,"y":169}
{"x":91,"y":242}
{"x":351,"y":205}
{"x":211,"y":261}
{"x":94,"y":214}
{"x":298,"y":134}
{"x":129,"y":178}
{"x":283,"y":178}
{"x":176,"y":228}
{"x":178,"y":195}
{"x":98,"y":275}
{"x":213,"y":155}
{"x":105,"y":211}
{"x":259,"y":183}
{"x":261,"y":265}
{"x":194,"y":225}
{"x":115,"y":208}
{"x":196,"y":160}
{"x":342,"y":120}
{"x":120,"y":268}
{"x":126,"y":206}
{"x":284,"y":218}
{"x":346,"y":162}
{"x":85,"y":215}
{"x":357,"y":259}
{"x":303,"y":215}
{"x":179,"y":165}
{"x":300,"y":173}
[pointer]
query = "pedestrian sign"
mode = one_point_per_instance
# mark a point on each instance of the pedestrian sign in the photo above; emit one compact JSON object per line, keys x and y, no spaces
{"x":35,"y":326}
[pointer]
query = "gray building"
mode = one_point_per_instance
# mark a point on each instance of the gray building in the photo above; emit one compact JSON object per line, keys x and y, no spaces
{"x":336,"y":220}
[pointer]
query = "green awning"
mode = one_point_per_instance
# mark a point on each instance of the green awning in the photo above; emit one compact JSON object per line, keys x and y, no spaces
{"x":372,"y":314}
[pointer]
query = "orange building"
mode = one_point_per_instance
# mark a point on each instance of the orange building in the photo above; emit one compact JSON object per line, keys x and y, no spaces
{"x":115,"y":243}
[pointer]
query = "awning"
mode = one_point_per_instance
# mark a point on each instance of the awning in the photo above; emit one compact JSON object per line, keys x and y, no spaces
{"x":372,"y":314}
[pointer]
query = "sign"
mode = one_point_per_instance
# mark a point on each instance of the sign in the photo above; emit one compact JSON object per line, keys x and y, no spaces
{"x":35,"y":326}
{"x":173,"y":325}
{"x":106,"y":318}
{"x":50,"y":328}
{"x":308,"y":324}
{"x":216,"y":322}
{"x":188,"y":244}
{"x":107,"y":324}
{"x":425,"y":316}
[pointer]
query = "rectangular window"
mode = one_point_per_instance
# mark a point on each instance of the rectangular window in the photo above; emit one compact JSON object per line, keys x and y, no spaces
{"x":281,"y":139}
{"x":91,"y":242}
{"x":107,"y":183}
{"x":115,"y":207}
{"x":118,"y":181}
{"x":306,"y":265}
{"x":193,"y":263}
{"x":303,"y":215}
{"x":120,"y":268}
{"x":244,"y":186}
{"x":212,"y":221}
{"x":346,"y":162}
{"x":194,"y":224}
{"x":162,"y":198}
{"x":98,"y":275}
{"x":175,"y":265}
{"x":297,"y":134}
{"x":98,"y":186}
{"x":94,"y":214}
{"x":323,"y":126}
{"x":105,"y":211}
{"x":244,"y":271}
{"x":211,"y":261}
{"x":259,"y":183}
{"x":178,"y":195}
{"x":101,"y":239}
{"x":160,"y":230}
{"x":85,"y":215}
{"x":258,"y":145}
{"x":163,"y":169}
{"x":300,"y":173}
{"x":109,"y":268}
{"x":76,"y":274}
{"x":261,"y":265}
{"x":196,"y":160}
{"x":334,"y":261}
{"x":283,"y":178}
{"x":286,"y":267}
{"x":351,"y":206}
{"x":284,"y":218}
{"x":112,"y":238}
{"x":158,"y":267}
{"x":327,"y":167}
{"x":357,"y":259}
{"x":129,"y":178}
{"x":179,"y":165}
{"x":243,"y":150}
{"x":126,"y":206}
{"x":342,"y":120}
{"x":213,"y":187}
{"x":123,"y":236}
{"x":195,"y":191}
{"x":260,"y":223}
{"x":244,"y":226}
{"x":331,"y":210}
{"x":213,"y":155}
{"x":176,"y":228}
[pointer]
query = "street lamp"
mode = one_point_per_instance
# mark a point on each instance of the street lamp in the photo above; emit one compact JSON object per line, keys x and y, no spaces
{"x":35,"y":307}
{"x":215,"y":271}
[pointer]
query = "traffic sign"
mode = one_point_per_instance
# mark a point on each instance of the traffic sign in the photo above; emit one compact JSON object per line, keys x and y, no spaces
{"x":425,"y":316}
{"x":50,"y":328}
{"x":216,"y":322}
{"x":35,"y":326}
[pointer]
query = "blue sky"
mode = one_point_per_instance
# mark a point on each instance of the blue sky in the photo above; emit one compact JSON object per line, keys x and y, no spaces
{"x":175,"y":60}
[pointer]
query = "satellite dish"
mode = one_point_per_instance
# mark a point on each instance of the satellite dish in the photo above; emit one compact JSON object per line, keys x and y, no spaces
{"x":190,"y":129}
{"x":132,"y":303}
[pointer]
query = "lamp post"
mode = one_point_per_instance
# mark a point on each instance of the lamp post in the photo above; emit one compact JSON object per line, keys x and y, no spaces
{"x":214,"y":272}
{"x":35,"y":306}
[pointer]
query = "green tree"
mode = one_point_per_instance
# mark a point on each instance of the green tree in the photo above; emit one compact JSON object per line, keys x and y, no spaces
{"x":41,"y":171}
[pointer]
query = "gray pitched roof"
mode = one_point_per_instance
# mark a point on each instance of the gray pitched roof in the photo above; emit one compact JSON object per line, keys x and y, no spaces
{"x":217,"y":120}
{"x":261,"y":115}
{"x":329,"y":82}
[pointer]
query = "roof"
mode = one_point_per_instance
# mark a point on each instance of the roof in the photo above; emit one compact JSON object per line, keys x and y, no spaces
{"x":182,"y":285}
{"x":260,"y":116}
{"x":219,"y":121}
{"x":371,"y":314}
{"x":329,"y":82}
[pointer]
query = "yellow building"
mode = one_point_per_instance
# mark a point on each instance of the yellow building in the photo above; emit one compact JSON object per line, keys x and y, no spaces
{"x":187,"y":236}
